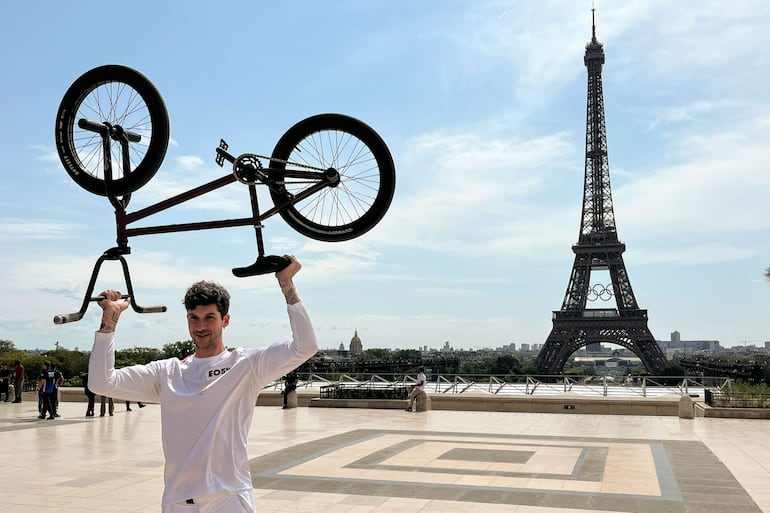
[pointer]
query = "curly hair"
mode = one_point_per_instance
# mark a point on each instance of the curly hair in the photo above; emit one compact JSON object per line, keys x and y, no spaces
{"x":204,"y":293}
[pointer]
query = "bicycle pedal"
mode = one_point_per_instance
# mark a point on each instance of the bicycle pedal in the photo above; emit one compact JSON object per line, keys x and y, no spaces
{"x":220,"y":158}
{"x":263,"y":265}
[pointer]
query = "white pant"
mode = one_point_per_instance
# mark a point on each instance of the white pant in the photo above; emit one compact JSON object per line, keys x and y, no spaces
{"x":220,"y":502}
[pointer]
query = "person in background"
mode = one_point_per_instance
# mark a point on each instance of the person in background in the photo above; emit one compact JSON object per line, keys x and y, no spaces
{"x":59,"y":383}
{"x":40,"y":391}
{"x":91,"y":397}
{"x":418,"y":388}
{"x":5,"y":382}
{"x":290,"y":386}
{"x":18,"y":380}
{"x":128,"y":405}
{"x":105,"y":401}
{"x":49,"y":383}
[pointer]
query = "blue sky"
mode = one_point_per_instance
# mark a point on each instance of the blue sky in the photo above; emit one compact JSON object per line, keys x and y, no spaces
{"x":482,"y":105}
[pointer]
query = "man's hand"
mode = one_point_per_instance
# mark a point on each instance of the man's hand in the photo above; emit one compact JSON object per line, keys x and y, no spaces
{"x":285,"y":280}
{"x":113,"y":305}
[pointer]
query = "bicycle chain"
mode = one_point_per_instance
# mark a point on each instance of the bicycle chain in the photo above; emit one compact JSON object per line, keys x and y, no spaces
{"x":306,"y":166}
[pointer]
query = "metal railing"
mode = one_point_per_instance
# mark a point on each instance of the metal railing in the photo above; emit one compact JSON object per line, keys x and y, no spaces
{"x":522,"y":385}
{"x":727,"y":396}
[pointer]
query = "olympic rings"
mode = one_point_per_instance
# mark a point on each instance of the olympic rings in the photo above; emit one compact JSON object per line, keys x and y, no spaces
{"x":600,"y":292}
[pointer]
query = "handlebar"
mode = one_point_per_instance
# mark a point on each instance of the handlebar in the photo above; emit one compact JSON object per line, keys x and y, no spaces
{"x":104,"y":129}
{"x":74,"y":317}
{"x":99,"y":298}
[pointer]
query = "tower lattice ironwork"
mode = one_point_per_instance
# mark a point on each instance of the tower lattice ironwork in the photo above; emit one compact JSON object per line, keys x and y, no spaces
{"x":598,"y":249}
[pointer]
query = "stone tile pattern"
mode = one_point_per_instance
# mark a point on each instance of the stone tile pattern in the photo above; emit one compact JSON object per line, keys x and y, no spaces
{"x":588,"y":474}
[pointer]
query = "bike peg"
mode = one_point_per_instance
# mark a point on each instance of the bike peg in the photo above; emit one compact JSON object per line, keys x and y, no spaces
{"x":263,"y":265}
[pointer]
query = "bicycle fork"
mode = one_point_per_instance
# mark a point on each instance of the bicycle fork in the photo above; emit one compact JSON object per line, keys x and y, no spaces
{"x":108,"y":132}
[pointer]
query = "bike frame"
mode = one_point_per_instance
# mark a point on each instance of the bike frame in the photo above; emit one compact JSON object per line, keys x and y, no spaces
{"x":243,"y":170}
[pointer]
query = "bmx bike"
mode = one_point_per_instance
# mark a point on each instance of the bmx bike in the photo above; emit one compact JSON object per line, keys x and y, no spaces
{"x":330,"y":176}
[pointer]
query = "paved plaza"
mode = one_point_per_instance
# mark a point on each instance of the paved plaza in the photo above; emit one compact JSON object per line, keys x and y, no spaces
{"x":341,"y":460}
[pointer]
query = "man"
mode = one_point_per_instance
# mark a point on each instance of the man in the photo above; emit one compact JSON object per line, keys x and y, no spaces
{"x":418,"y":388}
{"x":290,"y":386}
{"x":18,"y":380}
{"x":5,"y":382}
{"x":207,"y":400}
{"x":48,"y":384}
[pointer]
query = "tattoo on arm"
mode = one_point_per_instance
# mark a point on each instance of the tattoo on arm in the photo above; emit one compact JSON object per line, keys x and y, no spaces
{"x":108,"y":326}
{"x":290,"y":293}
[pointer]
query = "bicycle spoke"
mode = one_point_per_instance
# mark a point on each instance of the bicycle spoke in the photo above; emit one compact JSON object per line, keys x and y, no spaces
{"x":118,"y":104}
{"x":359,"y":177}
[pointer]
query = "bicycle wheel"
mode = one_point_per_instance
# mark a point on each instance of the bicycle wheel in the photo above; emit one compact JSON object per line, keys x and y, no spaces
{"x":365,"y":166}
{"x":120,"y":96}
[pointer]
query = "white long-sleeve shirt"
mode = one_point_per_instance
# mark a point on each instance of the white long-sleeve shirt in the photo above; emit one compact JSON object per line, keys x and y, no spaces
{"x":207,"y":404}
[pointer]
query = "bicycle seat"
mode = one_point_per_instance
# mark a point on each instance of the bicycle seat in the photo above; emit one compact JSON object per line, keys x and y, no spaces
{"x":263,"y":265}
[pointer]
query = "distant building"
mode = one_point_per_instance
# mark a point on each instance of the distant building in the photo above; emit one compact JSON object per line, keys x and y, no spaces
{"x":356,"y":347}
{"x":677,"y":346}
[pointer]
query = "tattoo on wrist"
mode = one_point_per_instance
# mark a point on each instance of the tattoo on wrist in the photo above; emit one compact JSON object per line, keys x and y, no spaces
{"x":290,"y":293}
{"x":106,"y":328}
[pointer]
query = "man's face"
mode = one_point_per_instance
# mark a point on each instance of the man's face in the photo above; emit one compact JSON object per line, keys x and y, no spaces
{"x":206,"y":325}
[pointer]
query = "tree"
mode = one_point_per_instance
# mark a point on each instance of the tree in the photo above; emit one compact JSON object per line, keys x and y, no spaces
{"x":376,"y":354}
{"x":413,"y":355}
{"x":137,"y":355}
{"x":6,"y":346}
{"x":179,"y":349}
{"x":506,"y":364}
{"x":72,"y":364}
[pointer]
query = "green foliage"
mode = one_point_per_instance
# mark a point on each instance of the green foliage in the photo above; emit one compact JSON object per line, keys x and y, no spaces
{"x":179,"y":349}
{"x":137,"y":355}
{"x":413,"y":355}
{"x":373,"y":355}
{"x":6,"y":346}
{"x":673,"y":368}
{"x":503,"y":365}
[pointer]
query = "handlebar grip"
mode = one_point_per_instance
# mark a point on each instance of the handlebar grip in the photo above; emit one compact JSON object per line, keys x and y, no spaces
{"x":93,"y":126}
{"x":65,"y":318}
{"x":99,"y":298}
{"x":151,"y":309}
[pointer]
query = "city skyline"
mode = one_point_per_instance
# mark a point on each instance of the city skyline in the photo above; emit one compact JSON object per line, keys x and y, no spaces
{"x":483,"y":108}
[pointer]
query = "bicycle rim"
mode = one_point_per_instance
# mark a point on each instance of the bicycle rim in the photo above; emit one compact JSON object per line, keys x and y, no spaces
{"x":365,"y":167}
{"x":119,"y":96}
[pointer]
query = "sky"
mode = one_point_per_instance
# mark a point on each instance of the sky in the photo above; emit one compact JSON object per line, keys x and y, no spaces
{"x":482,"y":105}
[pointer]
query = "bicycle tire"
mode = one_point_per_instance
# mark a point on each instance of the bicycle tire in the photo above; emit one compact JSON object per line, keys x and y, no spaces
{"x":366,"y":169}
{"x":121,"y":96}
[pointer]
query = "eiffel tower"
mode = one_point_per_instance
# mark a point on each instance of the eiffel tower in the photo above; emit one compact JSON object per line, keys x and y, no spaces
{"x":598,"y":249}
